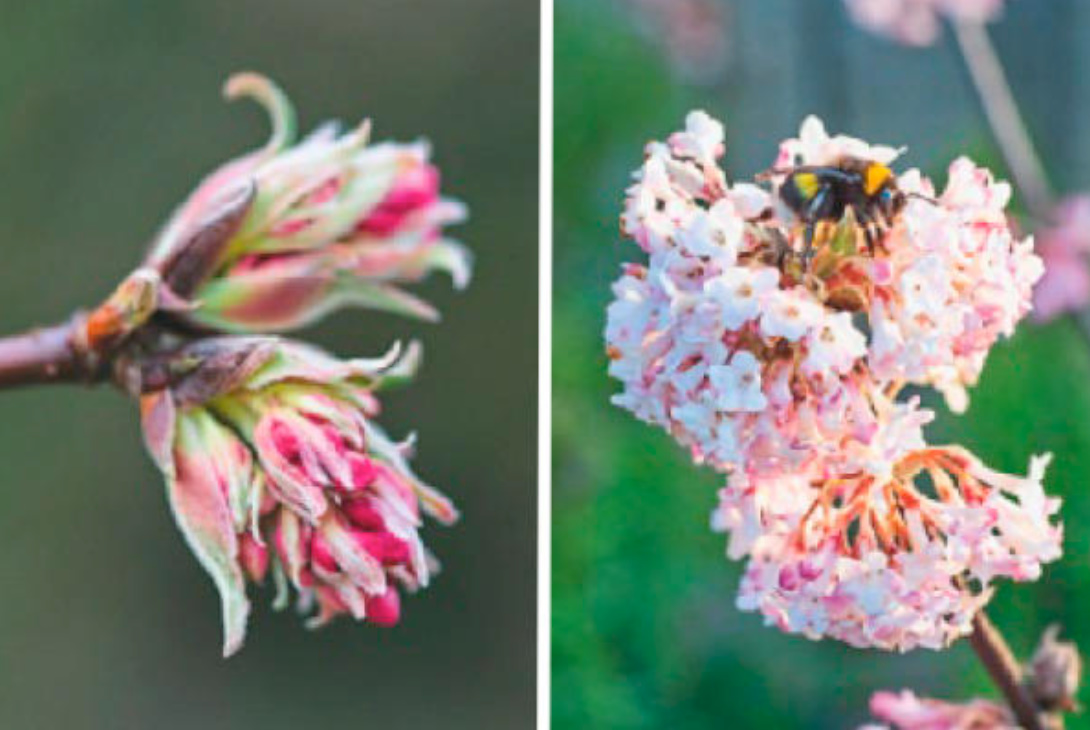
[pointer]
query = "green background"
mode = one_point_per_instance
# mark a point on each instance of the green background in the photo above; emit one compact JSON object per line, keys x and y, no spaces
{"x":109,"y":113}
{"x":644,"y":628}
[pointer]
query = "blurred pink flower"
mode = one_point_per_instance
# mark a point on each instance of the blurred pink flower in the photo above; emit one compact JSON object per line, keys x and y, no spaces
{"x":906,"y":711}
{"x":1064,"y":246}
{"x":274,"y":464}
{"x":918,"y":22}
{"x":284,"y":235}
{"x":785,"y":378}
{"x":694,"y":34}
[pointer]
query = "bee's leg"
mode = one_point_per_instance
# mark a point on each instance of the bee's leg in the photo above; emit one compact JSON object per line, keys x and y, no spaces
{"x":869,"y":226}
{"x":782,"y":249}
{"x":816,"y":211}
{"x":808,"y":248}
{"x":882,"y":225}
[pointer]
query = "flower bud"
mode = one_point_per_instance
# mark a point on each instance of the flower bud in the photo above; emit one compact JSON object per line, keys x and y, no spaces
{"x":284,"y":235}
{"x":384,"y":609}
{"x":1055,"y":673}
{"x":128,"y":308}
{"x":275,"y":465}
{"x":254,"y":556}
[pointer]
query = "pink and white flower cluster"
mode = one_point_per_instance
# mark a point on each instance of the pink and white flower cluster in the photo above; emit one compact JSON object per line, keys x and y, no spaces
{"x":919,"y":22}
{"x":1064,"y":245}
{"x":906,"y":711}
{"x":785,"y":377}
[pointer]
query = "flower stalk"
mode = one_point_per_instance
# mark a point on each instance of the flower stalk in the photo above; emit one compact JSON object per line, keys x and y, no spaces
{"x":1001,"y":110}
{"x":44,"y":356}
{"x":83,"y":348}
{"x":997,"y":99}
{"x":996,"y":656}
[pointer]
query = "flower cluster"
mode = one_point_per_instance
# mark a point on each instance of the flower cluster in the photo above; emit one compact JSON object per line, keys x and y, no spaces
{"x":906,"y":711}
{"x":1064,"y":244}
{"x":784,"y":374}
{"x":919,"y":22}
{"x":274,"y":464}
{"x":694,"y":34}
{"x":326,"y":223}
{"x":273,"y":461}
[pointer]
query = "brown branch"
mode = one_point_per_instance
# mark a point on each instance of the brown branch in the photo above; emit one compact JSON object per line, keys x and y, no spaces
{"x":47,"y":355}
{"x":992,"y":650}
{"x":1001,"y":110}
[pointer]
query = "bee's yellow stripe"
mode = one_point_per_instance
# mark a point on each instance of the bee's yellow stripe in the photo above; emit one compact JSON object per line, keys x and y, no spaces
{"x":875,"y":177}
{"x":807,"y":184}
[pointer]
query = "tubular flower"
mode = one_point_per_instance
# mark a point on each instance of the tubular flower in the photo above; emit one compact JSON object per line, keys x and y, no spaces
{"x":274,"y":465}
{"x":281,"y":236}
{"x":906,"y":711}
{"x":784,"y":376}
{"x":919,"y":22}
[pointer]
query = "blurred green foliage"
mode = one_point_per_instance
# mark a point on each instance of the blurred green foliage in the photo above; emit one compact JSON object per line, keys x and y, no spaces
{"x":109,"y":113}
{"x":644,"y":628}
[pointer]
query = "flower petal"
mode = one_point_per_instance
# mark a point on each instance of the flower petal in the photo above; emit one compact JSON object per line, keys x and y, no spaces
{"x":362,"y":567}
{"x":288,"y":296}
{"x":203,"y":514}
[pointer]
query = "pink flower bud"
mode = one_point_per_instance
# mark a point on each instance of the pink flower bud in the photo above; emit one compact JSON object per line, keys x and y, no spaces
{"x":254,"y":557}
{"x":364,"y":471}
{"x":363,"y":514}
{"x":412,"y":194}
{"x":275,"y":465}
{"x":321,"y":554}
{"x":386,"y":548}
{"x":384,"y":609}
{"x":282,"y":236}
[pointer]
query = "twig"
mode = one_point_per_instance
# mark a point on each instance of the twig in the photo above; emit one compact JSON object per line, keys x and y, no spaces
{"x":1009,"y":129}
{"x":992,"y":650}
{"x":1002,"y":112}
{"x":47,"y":355}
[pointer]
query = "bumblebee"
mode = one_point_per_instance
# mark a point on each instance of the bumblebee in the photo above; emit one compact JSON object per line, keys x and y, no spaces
{"x":823,"y":194}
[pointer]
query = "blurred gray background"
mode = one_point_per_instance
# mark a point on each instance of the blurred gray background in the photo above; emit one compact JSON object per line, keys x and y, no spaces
{"x":109,"y":113}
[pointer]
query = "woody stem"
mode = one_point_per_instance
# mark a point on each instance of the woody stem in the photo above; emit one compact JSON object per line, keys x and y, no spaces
{"x":46,"y":355}
{"x":1002,"y":112}
{"x":1009,"y":128}
{"x":992,"y":650}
